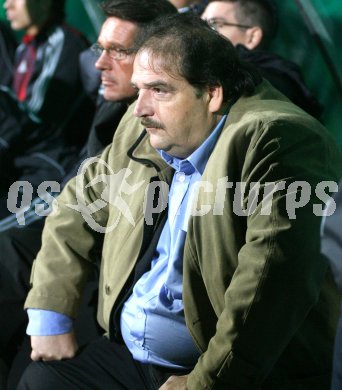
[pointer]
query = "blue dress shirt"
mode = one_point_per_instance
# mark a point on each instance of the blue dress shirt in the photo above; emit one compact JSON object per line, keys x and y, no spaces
{"x":152,"y":319}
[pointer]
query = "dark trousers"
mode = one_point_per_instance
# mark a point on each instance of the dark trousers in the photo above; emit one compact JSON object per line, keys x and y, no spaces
{"x":17,"y":251}
{"x":18,"y":248}
{"x":336,"y":383}
{"x":102,"y":365}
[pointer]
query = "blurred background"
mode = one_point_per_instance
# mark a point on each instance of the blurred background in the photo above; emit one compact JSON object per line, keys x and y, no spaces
{"x":309,"y":35}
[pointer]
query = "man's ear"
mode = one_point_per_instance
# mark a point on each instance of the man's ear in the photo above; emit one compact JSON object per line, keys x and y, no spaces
{"x":254,"y":37}
{"x":215,"y":95}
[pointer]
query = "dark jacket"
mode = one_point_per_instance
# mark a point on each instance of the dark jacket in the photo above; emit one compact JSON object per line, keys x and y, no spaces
{"x":332,"y":237}
{"x":8,"y":45}
{"x":285,"y":76}
{"x":40,"y":136}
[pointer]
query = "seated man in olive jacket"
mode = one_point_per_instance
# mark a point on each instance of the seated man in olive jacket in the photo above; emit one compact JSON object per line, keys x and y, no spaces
{"x":209,"y":204}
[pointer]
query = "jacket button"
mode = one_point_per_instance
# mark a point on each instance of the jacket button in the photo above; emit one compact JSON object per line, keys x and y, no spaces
{"x":107,"y":289}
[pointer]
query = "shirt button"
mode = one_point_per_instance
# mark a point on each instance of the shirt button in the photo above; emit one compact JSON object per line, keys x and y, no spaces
{"x":140,"y":315}
{"x":107,"y":289}
{"x":181,"y":177}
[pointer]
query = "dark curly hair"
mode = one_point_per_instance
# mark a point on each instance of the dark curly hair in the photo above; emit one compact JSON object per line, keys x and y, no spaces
{"x":186,"y":46}
{"x":138,"y":11}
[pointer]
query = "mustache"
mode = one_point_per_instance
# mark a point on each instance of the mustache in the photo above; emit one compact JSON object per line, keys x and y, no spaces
{"x":147,"y":122}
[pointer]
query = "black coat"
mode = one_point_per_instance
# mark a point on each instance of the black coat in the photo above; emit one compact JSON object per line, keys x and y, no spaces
{"x":332,"y":238}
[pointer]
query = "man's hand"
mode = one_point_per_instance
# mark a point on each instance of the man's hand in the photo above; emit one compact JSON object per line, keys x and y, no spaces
{"x":58,"y":347}
{"x":175,"y":383}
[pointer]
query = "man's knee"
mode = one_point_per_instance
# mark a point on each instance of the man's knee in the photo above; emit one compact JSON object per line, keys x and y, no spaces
{"x":40,"y":376}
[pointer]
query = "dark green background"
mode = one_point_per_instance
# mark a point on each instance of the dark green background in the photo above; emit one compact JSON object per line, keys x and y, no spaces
{"x":294,"y":41}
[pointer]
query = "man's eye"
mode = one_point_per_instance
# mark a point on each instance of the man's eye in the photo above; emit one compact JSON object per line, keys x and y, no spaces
{"x":136,"y":89}
{"x":159,"y":90}
{"x":114,"y":51}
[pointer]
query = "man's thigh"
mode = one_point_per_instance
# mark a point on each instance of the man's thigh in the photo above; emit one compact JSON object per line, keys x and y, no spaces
{"x":101,"y":365}
{"x":337,"y":364}
{"x":18,"y":247}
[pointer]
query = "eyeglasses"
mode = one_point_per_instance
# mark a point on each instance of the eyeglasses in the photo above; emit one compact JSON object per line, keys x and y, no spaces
{"x":115,"y":53}
{"x":219,"y":23}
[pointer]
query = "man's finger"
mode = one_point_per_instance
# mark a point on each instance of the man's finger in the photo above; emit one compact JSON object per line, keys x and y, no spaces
{"x":35,"y":356}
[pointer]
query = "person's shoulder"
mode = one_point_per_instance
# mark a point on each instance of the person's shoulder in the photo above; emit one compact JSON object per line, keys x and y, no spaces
{"x":72,"y":31}
{"x":267,"y":116}
{"x":265,"y":104}
{"x":284,"y":75}
{"x":71,"y":36}
{"x":269,"y":104}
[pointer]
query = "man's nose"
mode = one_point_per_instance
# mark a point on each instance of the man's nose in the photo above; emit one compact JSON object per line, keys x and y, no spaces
{"x":103,"y":62}
{"x":143,"y":106}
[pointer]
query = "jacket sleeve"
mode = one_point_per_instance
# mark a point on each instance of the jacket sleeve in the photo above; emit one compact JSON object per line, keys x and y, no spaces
{"x":73,"y":233}
{"x":15,"y":120}
{"x":71,"y":239}
{"x":279,"y":270}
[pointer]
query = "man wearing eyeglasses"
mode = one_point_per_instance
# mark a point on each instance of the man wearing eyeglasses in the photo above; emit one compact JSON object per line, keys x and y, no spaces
{"x":115,"y":56}
{"x":251,"y":25}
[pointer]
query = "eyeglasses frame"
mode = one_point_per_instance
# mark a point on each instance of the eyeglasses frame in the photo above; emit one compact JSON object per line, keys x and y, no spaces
{"x":114,"y":53}
{"x":212,"y":21}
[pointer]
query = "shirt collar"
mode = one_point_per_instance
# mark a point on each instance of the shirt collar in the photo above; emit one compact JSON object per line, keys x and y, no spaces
{"x":199,"y":158}
{"x":27,"y":39}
